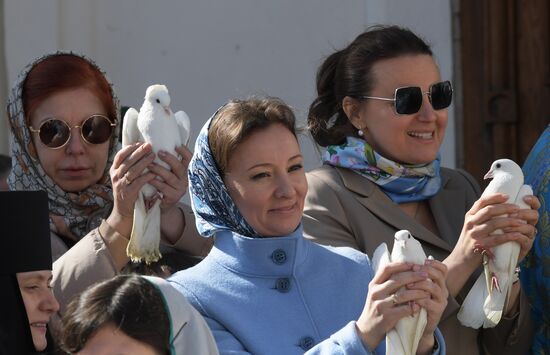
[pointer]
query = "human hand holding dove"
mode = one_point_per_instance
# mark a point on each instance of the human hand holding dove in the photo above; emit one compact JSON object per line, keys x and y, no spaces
{"x":406,"y":297}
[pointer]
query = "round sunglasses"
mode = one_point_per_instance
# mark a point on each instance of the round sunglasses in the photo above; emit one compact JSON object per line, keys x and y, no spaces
{"x":55,"y":133}
{"x":408,"y":100}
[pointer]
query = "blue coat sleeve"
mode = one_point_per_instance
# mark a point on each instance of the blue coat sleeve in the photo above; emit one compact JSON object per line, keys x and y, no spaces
{"x":346,"y":341}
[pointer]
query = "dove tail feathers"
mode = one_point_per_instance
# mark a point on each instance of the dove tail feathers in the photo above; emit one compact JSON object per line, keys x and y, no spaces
{"x":393,"y":343}
{"x":494,"y":304}
{"x":471,"y":312}
{"x":145,"y":237}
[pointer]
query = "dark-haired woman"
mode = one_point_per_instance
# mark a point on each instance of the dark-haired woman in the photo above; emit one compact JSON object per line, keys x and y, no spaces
{"x":381,"y":115}
{"x":131,"y":314}
{"x":64,"y":124}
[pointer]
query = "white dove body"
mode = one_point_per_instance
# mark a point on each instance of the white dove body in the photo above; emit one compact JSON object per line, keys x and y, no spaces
{"x":158,"y":125}
{"x":404,"y":338}
{"x":485,"y":302}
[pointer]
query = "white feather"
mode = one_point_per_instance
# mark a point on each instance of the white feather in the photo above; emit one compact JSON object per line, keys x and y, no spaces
{"x":184,"y":125}
{"x":130,"y":132}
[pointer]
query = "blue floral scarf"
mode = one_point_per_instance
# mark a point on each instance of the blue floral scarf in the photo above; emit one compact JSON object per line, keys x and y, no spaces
{"x":214,"y":209}
{"x":402,"y":183}
{"x":535,"y":268}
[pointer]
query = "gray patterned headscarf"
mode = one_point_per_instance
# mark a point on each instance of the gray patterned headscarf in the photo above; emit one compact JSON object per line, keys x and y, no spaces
{"x":72,"y":215}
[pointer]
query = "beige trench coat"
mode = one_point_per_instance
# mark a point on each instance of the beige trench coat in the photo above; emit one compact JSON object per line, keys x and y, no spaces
{"x":343,"y":208}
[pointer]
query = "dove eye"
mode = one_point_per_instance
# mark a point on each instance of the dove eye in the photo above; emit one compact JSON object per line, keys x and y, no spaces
{"x":498,"y":165}
{"x":158,"y":101}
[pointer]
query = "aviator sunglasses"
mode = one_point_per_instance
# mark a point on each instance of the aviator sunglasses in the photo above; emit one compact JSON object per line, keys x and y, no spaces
{"x":408,"y":100}
{"x":55,"y":133}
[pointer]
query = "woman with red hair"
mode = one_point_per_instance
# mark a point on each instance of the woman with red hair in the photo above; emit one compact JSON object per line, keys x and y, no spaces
{"x":65,"y":122}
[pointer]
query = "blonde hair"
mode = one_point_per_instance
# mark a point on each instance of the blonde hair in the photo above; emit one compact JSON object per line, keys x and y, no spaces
{"x":239,"y":118}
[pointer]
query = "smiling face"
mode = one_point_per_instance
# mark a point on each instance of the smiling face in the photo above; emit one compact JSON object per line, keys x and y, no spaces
{"x":78,"y":164}
{"x":39,"y":301}
{"x":409,"y":139}
{"x":266,"y":180}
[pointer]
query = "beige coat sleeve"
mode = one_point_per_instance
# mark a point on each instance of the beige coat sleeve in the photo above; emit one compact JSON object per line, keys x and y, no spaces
{"x":93,"y":259}
{"x":190,"y":240}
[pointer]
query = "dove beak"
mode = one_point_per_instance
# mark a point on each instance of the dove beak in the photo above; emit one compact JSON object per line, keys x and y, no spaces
{"x":168,"y":111}
{"x":401,"y":243}
{"x":489,"y":175}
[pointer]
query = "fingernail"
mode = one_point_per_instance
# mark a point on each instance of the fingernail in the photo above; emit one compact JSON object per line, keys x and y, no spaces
{"x":162,"y":153}
{"x":521,"y":221}
{"x":428,"y":262}
{"x":424,"y":274}
{"x":514,"y":215}
{"x":416,"y":267}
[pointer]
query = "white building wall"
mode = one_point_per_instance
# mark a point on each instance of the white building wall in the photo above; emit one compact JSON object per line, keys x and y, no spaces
{"x":209,"y":51}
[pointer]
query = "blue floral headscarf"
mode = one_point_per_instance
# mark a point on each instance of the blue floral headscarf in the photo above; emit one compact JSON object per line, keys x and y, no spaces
{"x":214,"y":209}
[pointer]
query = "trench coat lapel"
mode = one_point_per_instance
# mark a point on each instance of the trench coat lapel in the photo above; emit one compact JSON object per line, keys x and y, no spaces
{"x":378,"y":203}
{"x":441,"y":204}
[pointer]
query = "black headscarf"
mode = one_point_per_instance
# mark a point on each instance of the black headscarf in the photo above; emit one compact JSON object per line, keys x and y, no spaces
{"x":25,"y":245}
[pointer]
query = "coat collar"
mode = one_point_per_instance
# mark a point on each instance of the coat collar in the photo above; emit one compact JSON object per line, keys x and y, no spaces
{"x":369,"y":195}
{"x":260,"y":256}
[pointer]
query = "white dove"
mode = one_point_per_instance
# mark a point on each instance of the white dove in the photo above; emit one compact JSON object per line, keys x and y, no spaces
{"x":158,"y":125}
{"x":404,"y":338}
{"x":485,"y":302}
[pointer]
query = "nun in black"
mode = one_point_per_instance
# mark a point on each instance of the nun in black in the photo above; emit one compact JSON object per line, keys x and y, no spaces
{"x":26,"y":301}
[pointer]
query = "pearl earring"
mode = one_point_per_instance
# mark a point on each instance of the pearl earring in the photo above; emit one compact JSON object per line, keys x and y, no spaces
{"x":360,"y":133}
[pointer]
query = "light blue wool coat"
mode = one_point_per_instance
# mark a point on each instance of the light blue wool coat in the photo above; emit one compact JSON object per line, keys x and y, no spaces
{"x":282,"y":295}
{"x":279,"y":295}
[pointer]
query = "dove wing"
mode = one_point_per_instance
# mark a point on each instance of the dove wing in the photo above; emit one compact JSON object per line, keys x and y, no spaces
{"x":380,"y":257}
{"x":184,"y":126}
{"x":130,"y":130}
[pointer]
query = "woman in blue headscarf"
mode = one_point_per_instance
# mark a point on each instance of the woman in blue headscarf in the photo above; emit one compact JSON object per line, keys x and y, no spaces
{"x":264,"y":289}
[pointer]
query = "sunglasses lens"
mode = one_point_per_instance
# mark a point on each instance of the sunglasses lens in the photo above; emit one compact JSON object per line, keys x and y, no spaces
{"x":408,"y":100}
{"x":441,"y":95}
{"x":54,"y":133}
{"x":97,"y":129}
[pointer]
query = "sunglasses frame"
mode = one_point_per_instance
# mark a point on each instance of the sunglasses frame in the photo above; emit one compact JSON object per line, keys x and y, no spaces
{"x":428,"y":93}
{"x":111,"y":124}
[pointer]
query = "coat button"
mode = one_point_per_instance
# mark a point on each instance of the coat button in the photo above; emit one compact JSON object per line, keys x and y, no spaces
{"x":278,"y":256}
{"x":283,"y":285}
{"x":306,"y":343}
